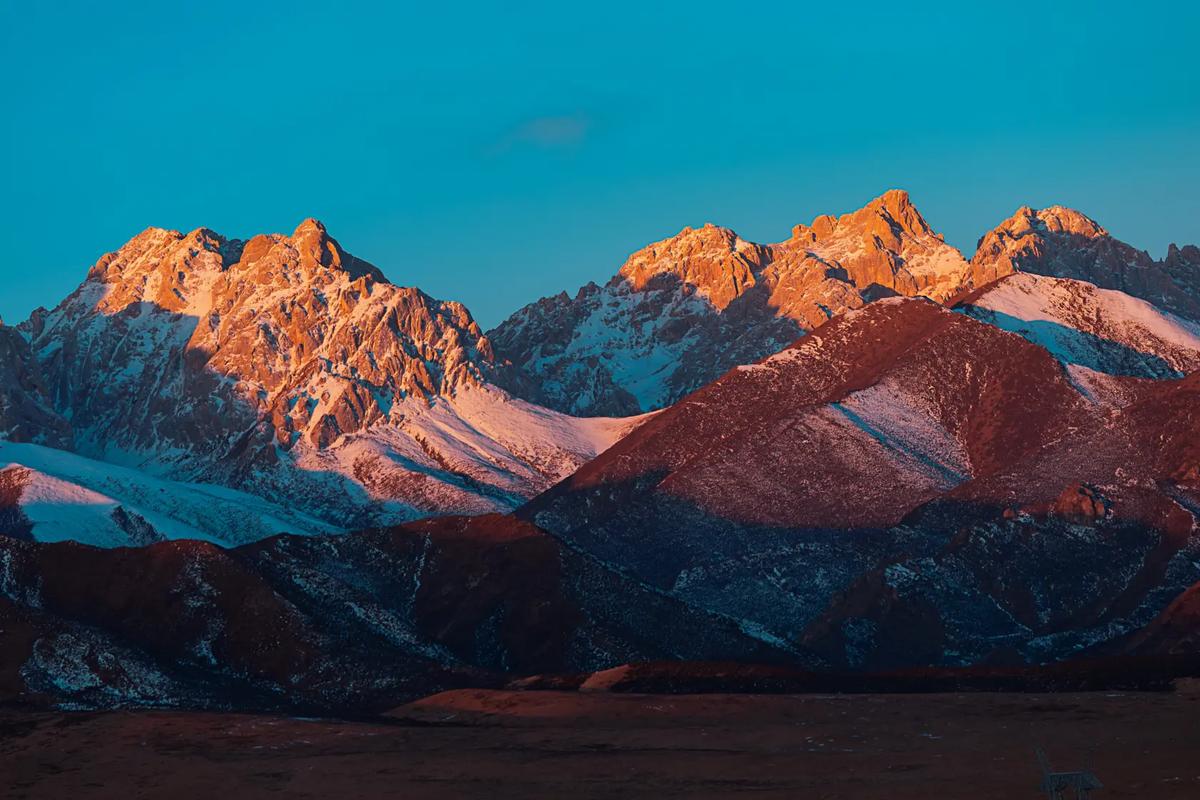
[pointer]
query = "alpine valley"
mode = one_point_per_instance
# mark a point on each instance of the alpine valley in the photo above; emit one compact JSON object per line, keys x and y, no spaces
{"x":257,"y":474}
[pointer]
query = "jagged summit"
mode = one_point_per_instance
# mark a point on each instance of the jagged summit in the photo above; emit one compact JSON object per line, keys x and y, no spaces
{"x":1055,"y":219}
{"x":1186,"y":258}
{"x":320,"y":332}
{"x":310,"y":225}
{"x":683,"y":310}
{"x":888,"y":216}
{"x":315,"y":244}
{"x":721,"y":266}
{"x":168,"y":267}
{"x":715,"y":261}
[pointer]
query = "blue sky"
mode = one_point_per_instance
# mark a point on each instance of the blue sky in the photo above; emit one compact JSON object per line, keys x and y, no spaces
{"x":494,"y":153}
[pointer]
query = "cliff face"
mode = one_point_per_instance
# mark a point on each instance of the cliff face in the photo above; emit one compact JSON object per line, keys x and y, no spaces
{"x":26,"y":414}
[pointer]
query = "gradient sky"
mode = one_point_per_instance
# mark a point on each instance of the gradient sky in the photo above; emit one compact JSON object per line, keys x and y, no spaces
{"x":495,"y":154}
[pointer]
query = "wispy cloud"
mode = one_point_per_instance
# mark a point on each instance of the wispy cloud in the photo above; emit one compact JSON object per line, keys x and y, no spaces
{"x":546,"y":133}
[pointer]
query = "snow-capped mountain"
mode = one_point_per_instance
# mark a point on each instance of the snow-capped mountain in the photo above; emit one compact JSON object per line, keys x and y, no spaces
{"x":1063,"y":243}
{"x":287,"y":367}
{"x":990,"y":468}
{"x":904,"y":486}
{"x":1088,"y":328}
{"x":683,"y":311}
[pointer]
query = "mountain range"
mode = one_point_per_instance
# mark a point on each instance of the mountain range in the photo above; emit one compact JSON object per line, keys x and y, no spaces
{"x":852,"y":450}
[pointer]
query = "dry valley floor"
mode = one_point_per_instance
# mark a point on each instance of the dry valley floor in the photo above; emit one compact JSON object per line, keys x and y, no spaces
{"x":491,"y":744}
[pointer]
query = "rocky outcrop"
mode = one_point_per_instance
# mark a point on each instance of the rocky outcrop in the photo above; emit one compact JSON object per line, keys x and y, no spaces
{"x":683,"y":311}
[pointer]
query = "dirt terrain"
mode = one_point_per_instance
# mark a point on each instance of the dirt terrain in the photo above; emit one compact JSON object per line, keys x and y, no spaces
{"x":492,"y":744}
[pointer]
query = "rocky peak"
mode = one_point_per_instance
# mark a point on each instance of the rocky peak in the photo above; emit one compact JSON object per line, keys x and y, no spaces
{"x":1064,"y":243}
{"x":1185,"y":259}
{"x":885,"y":247}
{"x":715,"y":261}
{"x":179,"y":272}
{"x":889,"y":217}
{"x":163,"y":267}
{"x":1054,"y":219}
{"x":316,"y":248}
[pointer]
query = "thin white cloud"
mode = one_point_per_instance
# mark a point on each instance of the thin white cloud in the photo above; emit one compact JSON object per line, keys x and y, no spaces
{"x":547,"y":132}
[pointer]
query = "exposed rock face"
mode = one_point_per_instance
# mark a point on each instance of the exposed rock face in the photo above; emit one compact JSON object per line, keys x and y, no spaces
{"x":683,"y":311}
{"x":904,"y":486}
{"x":285,"y":365}
{"x":25,"y":411}
{"x":1062,"y":242}
{"x":1089,"y":329}
{"x":317,"y":342}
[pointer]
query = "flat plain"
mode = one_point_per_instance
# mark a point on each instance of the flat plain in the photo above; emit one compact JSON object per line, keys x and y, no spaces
{"x":545,"y":744}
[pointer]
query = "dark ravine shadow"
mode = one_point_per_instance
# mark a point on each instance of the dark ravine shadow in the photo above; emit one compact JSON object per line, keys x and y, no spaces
{"x":951,"y":584}
{"x":357,"y":622}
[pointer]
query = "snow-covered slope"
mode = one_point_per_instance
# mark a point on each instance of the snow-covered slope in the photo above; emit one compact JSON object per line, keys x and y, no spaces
{"x":683,"y":311}
{"x":287,"y":367}
{"x":477,"y":452}
{"x":1082,"y":325}
{"x":51,"y":495}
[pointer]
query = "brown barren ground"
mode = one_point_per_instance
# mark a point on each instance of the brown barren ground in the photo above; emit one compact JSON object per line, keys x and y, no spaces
{"x":498,"y":744}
